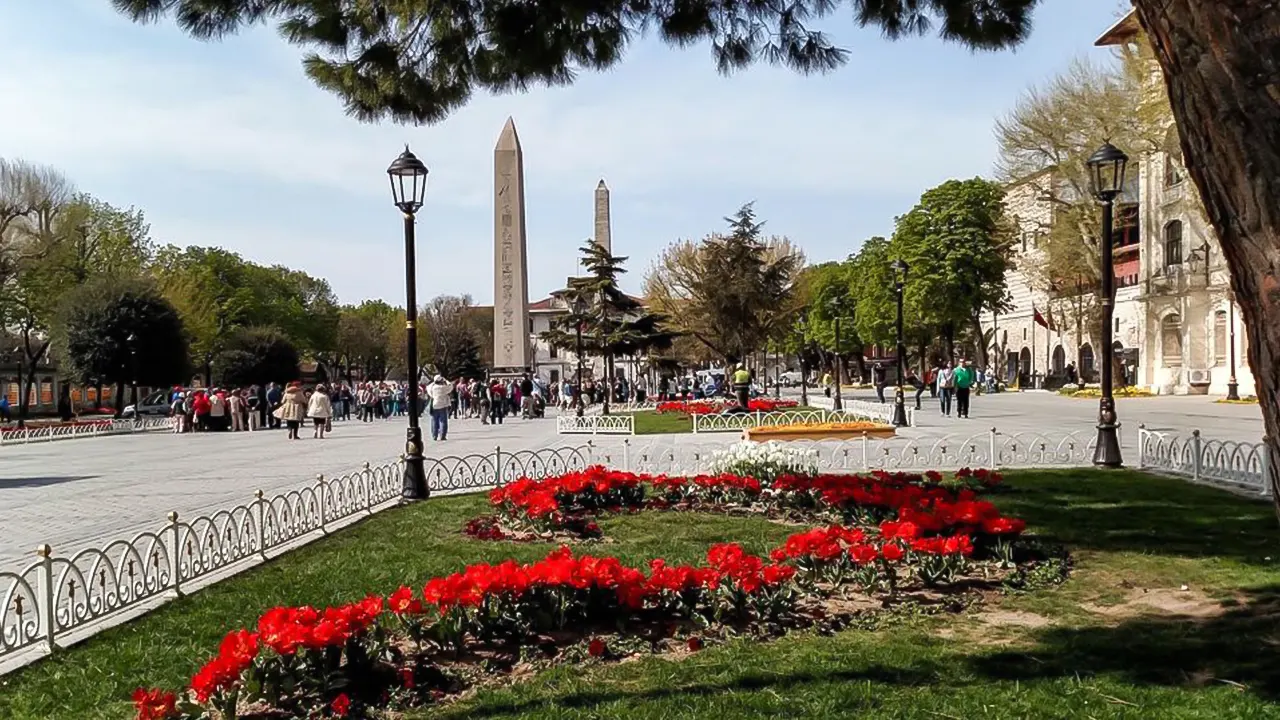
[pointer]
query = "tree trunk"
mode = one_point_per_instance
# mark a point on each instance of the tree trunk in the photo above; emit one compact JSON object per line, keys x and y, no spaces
{"x":120,"y":399}
{"x":1221,"y":60}
{"x":981,"y":352}
{"x":949,"y":337}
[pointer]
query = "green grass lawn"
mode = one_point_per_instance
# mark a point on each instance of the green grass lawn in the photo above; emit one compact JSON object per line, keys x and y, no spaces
{"x":652,"y":422}
{"x":1119,"y":639}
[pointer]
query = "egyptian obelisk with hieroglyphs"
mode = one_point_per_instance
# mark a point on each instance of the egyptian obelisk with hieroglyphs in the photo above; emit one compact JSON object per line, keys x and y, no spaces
{"x":510,"y":269}
{"x":602,"y":217}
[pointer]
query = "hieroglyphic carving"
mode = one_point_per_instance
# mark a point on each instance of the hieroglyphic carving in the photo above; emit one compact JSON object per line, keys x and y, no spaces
{"x":511,"y":296}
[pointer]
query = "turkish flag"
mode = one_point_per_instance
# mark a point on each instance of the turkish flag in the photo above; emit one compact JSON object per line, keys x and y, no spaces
{"x":1041,"y":321}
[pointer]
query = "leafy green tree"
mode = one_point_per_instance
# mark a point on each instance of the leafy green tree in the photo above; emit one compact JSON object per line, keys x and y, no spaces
{"x":364,"y":337}
{"x":731,"y":292}
{"x":956,"y":243}
{"x":613,"y":323}
{"x":117,"y":332}
{"x":257,"y":356}
{"x":830,"y":294}
{"x":449,"y":337}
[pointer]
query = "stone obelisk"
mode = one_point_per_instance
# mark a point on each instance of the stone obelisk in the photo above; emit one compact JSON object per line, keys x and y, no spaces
{"x":602,"y":217}
{"x":510,"y":269}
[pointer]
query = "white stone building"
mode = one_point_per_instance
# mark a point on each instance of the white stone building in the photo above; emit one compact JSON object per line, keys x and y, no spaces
{"x":1174,"y":321}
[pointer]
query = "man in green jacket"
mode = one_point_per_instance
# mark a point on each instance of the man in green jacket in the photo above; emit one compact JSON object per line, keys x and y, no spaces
{"x":964,"y":379}
{"x":742,"y":385}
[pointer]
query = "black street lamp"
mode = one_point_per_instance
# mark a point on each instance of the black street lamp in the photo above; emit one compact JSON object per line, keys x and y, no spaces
{"x":1106,"y":178}
{"x":834,"y":305}
{"x":409,"y":188}
{"x":804,"y":370}
{"x":579,"y":308}
{"x":899,"y":399}
{"x":133,"y":372}
{"x":21,"y":353}
{"x":1233,"y":388}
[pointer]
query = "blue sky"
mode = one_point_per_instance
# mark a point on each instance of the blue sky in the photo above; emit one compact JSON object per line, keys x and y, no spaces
{"x":228,"y":144}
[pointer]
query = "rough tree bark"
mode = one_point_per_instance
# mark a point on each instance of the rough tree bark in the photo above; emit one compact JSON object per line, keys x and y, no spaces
{"x":1221,"y":64}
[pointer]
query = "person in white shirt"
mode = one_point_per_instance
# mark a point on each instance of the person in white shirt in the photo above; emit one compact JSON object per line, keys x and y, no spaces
{"x":438,"y":399}
{"x":946,"y":387}
{"x":320,"y":409}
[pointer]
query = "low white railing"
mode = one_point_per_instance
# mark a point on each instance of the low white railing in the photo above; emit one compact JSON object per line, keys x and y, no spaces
{"x":596,"y":425}
{"x":1233,"y":464}
{"x":626,"y":407}
{"x":49,"y":433}
{"x":990,"y":449}
{"x":732,"y":422}
{"x":60,"y":599}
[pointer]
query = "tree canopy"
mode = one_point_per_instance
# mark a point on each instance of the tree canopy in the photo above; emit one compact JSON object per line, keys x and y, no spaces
{"x":732,"y":291}
{"x":402,"y":61}
{"x":257,"y":356}
{"x":118,"y":332}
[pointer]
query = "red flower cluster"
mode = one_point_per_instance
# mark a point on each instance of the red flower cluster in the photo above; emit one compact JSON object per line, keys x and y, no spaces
{"x":594,"y":488}
{"x":710,"y":407}
{"x":286,"y":630}
{"x":747,"y":573}
{"x":985,"y":477}
{"x":707,"y":487}
{"x":235,"y":654}
{"x":483,"y":528}
{"x":154,"y":704}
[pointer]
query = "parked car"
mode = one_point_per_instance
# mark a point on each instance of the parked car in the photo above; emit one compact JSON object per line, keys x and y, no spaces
{"x":157,"y":403}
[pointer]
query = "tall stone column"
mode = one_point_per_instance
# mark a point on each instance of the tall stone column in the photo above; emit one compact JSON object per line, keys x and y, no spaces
{"x":511,"y":270}
{"x":602,"y":217}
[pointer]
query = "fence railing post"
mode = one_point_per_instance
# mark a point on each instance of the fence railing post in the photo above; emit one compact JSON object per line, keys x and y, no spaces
{"x":368,"y":487}
{"x":1195,"y":454}
{"x":591,"y":453}
{"x":1142,"y":445}
{"x":320,"y":500}
{"x":992,"y":462}
{"x":626,"y":455}
{"x":260,"y":507}
{"x":1265,"y":464}
{"x":44,"y":590}
{"x":497,"y":464}
{"x":175,"y":552}
{"x":866,"y":461}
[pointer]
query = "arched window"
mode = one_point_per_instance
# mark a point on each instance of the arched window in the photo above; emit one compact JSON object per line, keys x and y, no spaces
{"x":1220,"y":337}
{"x":1059,"y":360}
{"x":1173,"y":243}
{"x":1171,"y":340}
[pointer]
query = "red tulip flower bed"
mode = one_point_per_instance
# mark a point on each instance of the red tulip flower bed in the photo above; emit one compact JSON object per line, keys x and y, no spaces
{"x":711,"y":407}
{"x":898,"y":539}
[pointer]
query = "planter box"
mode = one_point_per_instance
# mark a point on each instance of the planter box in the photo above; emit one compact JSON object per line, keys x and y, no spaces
{"x":765,"y":434}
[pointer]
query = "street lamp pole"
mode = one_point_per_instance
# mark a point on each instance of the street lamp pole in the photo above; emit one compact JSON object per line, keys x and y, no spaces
{"x":804,"y":370}
{"x":1233,"y":388}
{"x":899,"y":399}
{"x":838,"y":404}
{"x":133,"y":373}
{"x":20,"y":353}
{"x":409,"y":187}
{"x":1107,"y":167}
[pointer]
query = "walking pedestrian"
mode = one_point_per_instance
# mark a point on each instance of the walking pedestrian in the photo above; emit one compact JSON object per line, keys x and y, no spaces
{"x":320,"y":410}
{"x":946,"y":387}
{"x":439,"y":399}
{"x":293,"y":409}
{"x":964,"y":379}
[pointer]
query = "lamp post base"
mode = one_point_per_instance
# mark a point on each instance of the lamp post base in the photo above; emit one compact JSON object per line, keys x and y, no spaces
{"x":1106,"y":453}
{"x":415,"y":475}
{"x":1233,"y":390}
{"x":899,"y":409}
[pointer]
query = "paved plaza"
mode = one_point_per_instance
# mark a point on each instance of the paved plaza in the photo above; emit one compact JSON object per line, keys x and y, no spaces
{"x":77,"y":493}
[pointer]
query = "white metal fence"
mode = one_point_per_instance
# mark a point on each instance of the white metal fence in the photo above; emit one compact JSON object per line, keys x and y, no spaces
{"x":49,"y":433}
{"x":990,"y":449}
{"x":571,"y":424}
{"x":1233,"y":464}
{"x":60,"y":599}
{"x":732,"y":422}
